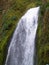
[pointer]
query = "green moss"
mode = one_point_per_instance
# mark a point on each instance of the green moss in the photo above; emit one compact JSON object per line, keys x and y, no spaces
{"x":43,"y":36}
{"x":31,"y":5}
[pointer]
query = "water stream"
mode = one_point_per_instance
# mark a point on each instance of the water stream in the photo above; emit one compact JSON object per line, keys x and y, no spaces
{"x":21,"y":49}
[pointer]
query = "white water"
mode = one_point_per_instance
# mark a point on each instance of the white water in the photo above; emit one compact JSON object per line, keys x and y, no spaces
{"x":21,"y":49}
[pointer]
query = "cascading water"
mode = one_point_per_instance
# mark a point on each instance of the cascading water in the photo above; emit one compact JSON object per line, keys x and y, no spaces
{"x":21,"y":49}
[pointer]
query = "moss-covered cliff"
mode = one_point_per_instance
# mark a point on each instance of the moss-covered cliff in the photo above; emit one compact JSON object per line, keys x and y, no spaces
{"x":10,"y":13}
{"x":43,"y":36}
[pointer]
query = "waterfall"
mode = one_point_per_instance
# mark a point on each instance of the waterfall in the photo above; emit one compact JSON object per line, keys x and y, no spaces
{"x":21,"y":49}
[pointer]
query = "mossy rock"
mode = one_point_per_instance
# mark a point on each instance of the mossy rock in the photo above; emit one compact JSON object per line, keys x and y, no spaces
{"x":43,"y":37}
{"x":31,"y":5}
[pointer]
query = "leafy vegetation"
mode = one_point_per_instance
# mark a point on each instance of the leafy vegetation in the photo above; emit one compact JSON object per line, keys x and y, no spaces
{"x":10,"y":13}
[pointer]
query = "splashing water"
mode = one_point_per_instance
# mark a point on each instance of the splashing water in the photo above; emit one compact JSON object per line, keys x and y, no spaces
{"x":21,"y":49}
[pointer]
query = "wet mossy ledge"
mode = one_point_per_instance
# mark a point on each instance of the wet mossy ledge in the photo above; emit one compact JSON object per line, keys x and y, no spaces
{"x":11,"y":12}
